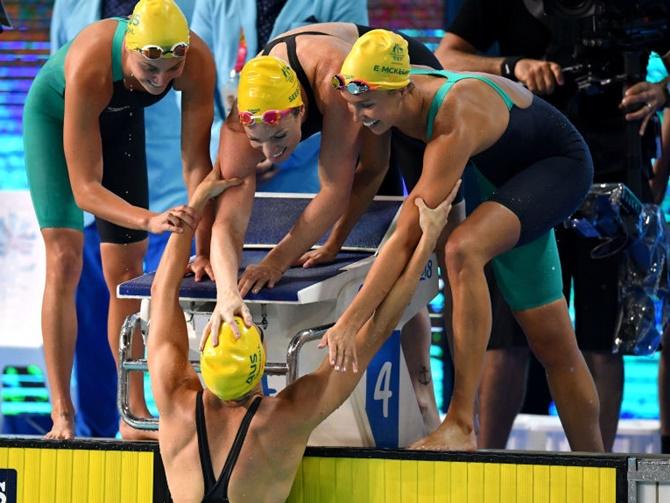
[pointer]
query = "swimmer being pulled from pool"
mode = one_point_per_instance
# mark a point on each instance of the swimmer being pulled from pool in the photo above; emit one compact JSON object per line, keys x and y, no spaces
{"x":227,"y":442}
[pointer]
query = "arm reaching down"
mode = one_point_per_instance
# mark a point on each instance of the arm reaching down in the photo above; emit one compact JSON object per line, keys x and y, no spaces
{"x":321,"y":392}
{"x":340,"y":142}
{"x":538,"y":75}
{"x":372,"y":166}
{"x":237,"y":159}
{"x":167,"y":347}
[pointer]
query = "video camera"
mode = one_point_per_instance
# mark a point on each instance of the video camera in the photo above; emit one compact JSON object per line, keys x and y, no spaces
{"x":598,"y":32}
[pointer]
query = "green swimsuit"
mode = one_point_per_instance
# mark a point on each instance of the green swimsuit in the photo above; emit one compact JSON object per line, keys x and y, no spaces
{"x":121,"y":126}
{"x":528,"y":276}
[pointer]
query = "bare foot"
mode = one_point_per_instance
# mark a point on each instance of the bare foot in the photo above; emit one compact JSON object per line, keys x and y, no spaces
{"x":448,"y":437}
{"x":130,"y":433}
{"x":63,"y":426}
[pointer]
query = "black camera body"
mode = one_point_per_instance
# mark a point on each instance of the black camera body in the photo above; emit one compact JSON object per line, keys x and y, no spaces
{"x":598,"y":32}
{"x":627,"y":24}
{"x":622,"y":24}
{"x":587,"y":8}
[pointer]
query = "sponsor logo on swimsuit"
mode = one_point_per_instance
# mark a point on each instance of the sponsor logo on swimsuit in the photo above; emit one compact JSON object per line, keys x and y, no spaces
{"x":7,"y":486}
{"x":118,"y":109}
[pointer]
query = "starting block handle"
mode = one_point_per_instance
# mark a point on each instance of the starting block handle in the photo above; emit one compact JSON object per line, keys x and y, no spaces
{"x":127,"y":365}
{"x":296,"y":344}
{"x":132,"y":322}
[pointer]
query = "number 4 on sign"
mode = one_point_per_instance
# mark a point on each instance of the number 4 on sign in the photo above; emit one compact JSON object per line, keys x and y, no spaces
{"x":383,"y":387}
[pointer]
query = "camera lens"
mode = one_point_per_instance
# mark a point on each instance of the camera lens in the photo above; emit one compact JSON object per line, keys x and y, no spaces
{"x":573,"y":4}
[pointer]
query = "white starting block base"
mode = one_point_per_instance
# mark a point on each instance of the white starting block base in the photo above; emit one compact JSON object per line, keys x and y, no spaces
{"x":545,"y":433}
{"x":382,"y":411}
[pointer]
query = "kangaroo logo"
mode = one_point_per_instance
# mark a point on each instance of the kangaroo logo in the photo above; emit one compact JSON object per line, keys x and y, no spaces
{"x":397,"y":52}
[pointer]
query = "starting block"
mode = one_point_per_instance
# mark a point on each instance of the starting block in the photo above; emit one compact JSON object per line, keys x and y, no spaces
{"x":382,"y":411}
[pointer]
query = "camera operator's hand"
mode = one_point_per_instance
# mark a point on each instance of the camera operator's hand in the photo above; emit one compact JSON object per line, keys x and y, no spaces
{"x":640,"y":102}
{"x":540,"y":77}
{"x":658,"y":183}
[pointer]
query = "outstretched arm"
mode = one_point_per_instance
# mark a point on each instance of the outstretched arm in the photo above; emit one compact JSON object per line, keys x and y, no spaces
{"x":318,"y":394}
{"x":197,"y":90}
{"x":538,"y":75}
{"x":88,"y":91}
{"x":337,"y":160}
{"x":373,"y":163}
{"x":236,"y":159}
{"x":169,"y":366}
{"x":448,"y":150}
{"x":473,"y":32}
{"x":433,"y":186}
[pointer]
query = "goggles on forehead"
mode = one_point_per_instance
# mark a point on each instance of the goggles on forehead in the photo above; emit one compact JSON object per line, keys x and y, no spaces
{"x":354,"y":87}
{"x":270,"y":117}
{"x":178,"y":50}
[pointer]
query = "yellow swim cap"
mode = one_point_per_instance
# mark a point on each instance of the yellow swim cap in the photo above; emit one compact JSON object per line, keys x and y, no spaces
{"x":379,"y":57}
{"x":267,"y":83}
{"x":157,"y":23}
{"x":235,"y":366}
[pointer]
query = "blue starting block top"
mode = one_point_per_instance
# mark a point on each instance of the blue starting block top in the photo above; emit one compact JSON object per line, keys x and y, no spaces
{"x":272,"y":217}
{"x":286,"y":289}
{"x":274,"y":214}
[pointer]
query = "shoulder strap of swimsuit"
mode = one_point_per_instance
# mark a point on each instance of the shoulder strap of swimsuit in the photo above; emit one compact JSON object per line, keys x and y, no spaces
{"x":117,"y":44}
{"x":297,"y":67}
{"x":234,"y":453}
{"x":272,"y":43}
{"x":452,"y":78}
{"x":294,"y":62}
{"x":203,"y":443}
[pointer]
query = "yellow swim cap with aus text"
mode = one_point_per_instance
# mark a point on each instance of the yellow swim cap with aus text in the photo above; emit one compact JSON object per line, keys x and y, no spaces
{"x":235,"y":366}
{"x":379,"y":57}
{"x":267,"y":83}
{"x":158,"y":23}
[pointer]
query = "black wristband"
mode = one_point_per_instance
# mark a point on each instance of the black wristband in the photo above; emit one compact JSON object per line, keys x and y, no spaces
{"x":507,"y":67}
{"x":666,"y":89}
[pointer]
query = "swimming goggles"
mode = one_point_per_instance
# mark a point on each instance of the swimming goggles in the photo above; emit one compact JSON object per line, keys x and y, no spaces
{"x":270,"y":117}
{"x":354,"y":87}
{"x":178,"y":50}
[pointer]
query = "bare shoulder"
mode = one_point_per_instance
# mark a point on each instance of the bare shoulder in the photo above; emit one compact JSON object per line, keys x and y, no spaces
{"x":327,"y":62}
{"x":344,"y":31}
{"x":321,"y":56}
{"x":521,"y":96}
{"x":89,"y":59}
{"x":93,"y":45}
{"x":471,"y":118}
{"x":286,"y":415}
{"x":199,"y":57}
